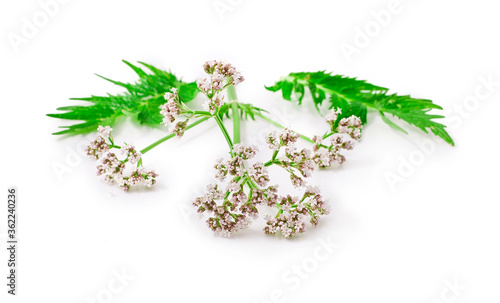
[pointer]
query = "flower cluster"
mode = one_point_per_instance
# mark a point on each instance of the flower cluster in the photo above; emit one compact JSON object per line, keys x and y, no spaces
{"x":104,"y":131}
{"x":298,"y":163}
{"x":224,"y":69}
{"x":233,"y":207}
{"x":172,"y":110}
{"x":344,"y":136}
{"x":113,"y":169}
{"x":351,"y":126}
{"x":293,"y":213}
{"x":132,"y":155}
{"x":220,"y":76}
{"x":285,"y":138}
{"x":98,"y":147}
{"x":332,"y":116}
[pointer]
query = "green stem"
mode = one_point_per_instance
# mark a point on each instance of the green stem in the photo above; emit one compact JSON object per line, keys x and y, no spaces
{"x":158,"y":142}
{"x":224,"y":132}
{"x":275,"y":154}
{"x":271,"y":162}
{"x":233,"y":99}
{"x":236,"y":123}
{"x":281,"y":126}
{"x":273,"y":159}
{"x":201,"y":113}
{"x":328,"y":135}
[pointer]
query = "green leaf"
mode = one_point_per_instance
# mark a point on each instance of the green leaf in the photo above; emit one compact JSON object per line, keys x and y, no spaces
{"x":141,"y":101}
{"x":188,"y":91}
{"x":391,"y":124}
{"x":298,"y":91}
{"x":276,"y":87}
{"x":355,"y":108}
{"x":355,"y":97}
{"x":139,"y":71}
{"x":246,"y":110}
{"x":286,"y":90}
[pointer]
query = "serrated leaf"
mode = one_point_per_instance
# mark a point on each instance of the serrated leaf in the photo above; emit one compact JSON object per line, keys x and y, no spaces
{"x":355,"y":96}
{"x":141,"y":101}
{"x":138,"y":70}
{"x":391,"y":124}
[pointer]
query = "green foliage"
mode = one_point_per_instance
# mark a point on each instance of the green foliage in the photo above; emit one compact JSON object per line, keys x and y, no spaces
{"x":246,"y":110}
{"x":355,"y":97}
{"x":141,"y":101}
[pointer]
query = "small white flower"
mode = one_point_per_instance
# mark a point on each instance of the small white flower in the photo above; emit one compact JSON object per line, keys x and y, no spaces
{"x":104,"y":131}
{"x":333,"y":115}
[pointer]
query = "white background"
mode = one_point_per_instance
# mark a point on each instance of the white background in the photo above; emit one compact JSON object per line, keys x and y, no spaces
{"x":404,"y":243}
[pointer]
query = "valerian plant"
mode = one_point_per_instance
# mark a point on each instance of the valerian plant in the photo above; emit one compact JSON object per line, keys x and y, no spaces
{"x":243,"y":186}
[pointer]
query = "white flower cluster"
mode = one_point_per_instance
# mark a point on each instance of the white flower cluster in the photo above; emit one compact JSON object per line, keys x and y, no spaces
{"x":298,"y":163}
{"x":234,"y":206}
{"x":220,"y":76}
{"x":293,"y":213}
{"x":112,"y":168}
{"x":171,"y":111}
{"x":233,"y":209}
{"x":343,"y":137}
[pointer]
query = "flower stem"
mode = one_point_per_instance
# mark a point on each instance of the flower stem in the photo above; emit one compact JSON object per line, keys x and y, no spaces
{"x":275,"y":154}
{"x":233,"y":99}
{"x":224,"y":132}
{"x":281,"y":126}
{"x":201,"y":113}
{"x":269,"y":163}
{"x":156,"y":143}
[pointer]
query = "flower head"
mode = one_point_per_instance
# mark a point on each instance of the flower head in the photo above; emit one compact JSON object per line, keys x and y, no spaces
{"x":113,"y":169}
{"x":273,"y":141}
{"x":288,"y":137}
{"x":179,"y":128}
{"x":332,"y":116}
{"x":172,"y":108}
{"x":97,"y":148}
{"x":351,"y":126}
{"x":104,"y":131}
{"x":220,"y":76}
{"x":224,"y":70}
{"x":132,"y":155}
